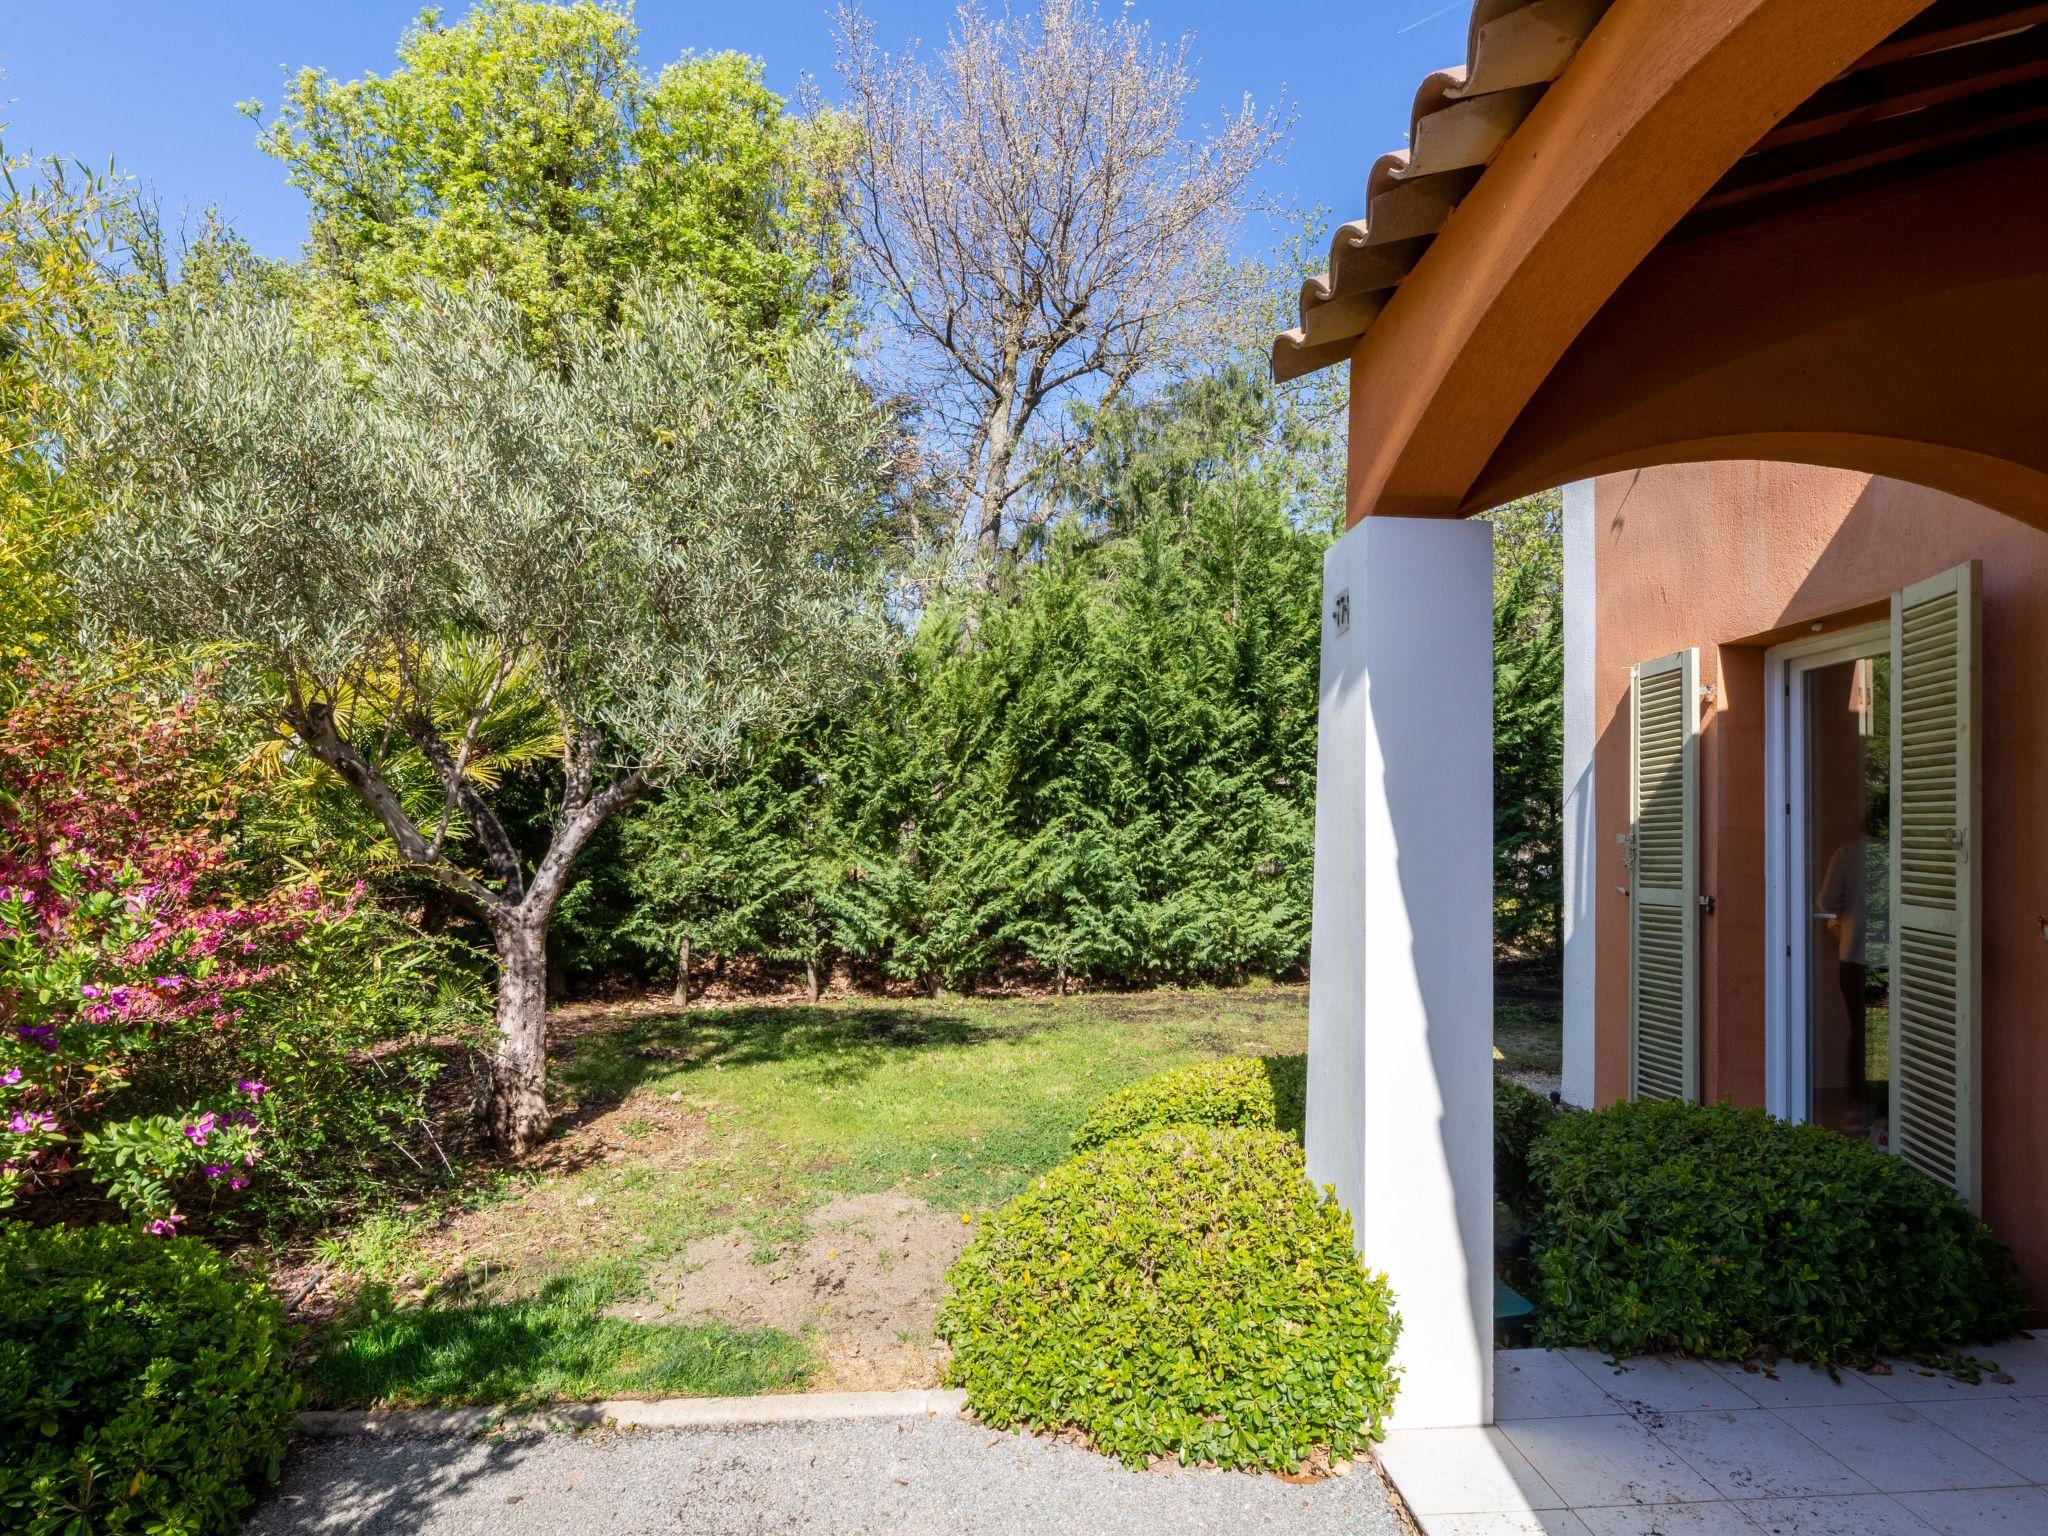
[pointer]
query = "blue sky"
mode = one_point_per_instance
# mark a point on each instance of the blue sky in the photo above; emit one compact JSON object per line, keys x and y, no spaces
{"x":153,"y":83}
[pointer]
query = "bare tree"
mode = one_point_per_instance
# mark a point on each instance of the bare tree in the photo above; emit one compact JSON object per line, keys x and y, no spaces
{"x":666,"y":550}
{"x":1037,"y":223}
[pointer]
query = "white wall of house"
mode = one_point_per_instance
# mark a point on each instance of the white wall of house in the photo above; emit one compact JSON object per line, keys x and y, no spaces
{"x":1581,"y":731}
{"x":1400,"y":1097}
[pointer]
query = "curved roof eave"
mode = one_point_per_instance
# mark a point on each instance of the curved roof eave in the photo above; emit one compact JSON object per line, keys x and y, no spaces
{"x":1461,"y":117}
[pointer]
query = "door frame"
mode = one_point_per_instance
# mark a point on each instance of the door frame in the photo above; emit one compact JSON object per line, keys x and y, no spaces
{"x":1787,"y":979}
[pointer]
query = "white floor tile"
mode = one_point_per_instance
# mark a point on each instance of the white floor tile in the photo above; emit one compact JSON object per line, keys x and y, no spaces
{"x":1669,"y":1520}
{"x":1895,"y":1448}
{"x":1983,"y":1511}
{"x":1543,"y":1384}
{"x":2011,"y":1430}
{"x":1788,"y":1384}
{"x":1541,"y":1522}
{"x":1869,"y":1514}
{"x":1661,"y":1382}
{"x":1750,"y":1455}
{"x":1605,"y":1461}
{"x":1463,"y":1471}
{"x":1910,"y":1383}
{"x":2025,"y":1360}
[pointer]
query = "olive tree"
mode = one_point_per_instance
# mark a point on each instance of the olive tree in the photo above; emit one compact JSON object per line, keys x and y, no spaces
{"x":676,"y":548}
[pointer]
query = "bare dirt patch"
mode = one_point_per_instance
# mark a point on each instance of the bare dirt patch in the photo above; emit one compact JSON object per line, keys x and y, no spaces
{"x":867,"y":1276}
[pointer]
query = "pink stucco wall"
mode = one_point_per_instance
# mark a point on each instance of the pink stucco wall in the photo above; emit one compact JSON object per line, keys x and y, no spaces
{"x":1736,"y":557}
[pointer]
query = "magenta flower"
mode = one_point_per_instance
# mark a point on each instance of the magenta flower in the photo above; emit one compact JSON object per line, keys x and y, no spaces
{"x":33,"y":1120}
{"x":13,"y":1076}
{"x":200,"y":1129}
{"x":215,"y":1170}
{"x":238,"y":1182}
{"x":255,"y":1090}
{"x":165,"y":1226}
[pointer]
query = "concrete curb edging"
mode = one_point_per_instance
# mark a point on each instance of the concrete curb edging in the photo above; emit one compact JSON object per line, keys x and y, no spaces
{"x":626,"y":1413}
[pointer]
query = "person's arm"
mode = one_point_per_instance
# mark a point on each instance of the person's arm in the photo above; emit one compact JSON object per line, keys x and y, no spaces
{"x":1833,"y":894}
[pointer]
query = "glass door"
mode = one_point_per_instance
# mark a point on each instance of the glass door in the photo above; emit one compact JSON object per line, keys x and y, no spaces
{"x":1840,"y":809}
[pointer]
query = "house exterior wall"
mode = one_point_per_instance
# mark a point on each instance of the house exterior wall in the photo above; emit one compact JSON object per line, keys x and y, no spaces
{"x":1735,"y":557}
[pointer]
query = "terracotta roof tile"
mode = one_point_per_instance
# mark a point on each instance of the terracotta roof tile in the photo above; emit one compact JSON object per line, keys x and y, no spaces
{"x":1461,"y":117}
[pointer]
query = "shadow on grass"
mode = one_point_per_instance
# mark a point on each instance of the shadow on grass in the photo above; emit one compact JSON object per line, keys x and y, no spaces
{"x":836,"y":1045}
{"x":559,"y":1345}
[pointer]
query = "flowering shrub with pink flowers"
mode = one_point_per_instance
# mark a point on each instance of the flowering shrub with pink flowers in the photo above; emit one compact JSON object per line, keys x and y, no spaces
{"x":151,"y":975}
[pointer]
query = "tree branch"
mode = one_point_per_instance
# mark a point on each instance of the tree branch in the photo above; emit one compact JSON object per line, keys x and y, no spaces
{"x":313,"y":723}
{"x":498,"y":849}
{"x":551,"y":876}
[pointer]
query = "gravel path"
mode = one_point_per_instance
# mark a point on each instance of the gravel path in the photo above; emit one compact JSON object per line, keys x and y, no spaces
{"x":939,"y":1475}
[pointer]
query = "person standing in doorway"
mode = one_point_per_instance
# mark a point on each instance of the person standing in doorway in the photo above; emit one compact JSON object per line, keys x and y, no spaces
{"x":1844,"y":892}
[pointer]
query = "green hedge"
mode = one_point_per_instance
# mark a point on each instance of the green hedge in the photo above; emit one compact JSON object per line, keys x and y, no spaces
{"x":1267,"y":1092}
{"x":1184,"y":1291}
{"x":1520,"y":1115}
{"x":147,"y":1384}
{"x":1727,"y":1233}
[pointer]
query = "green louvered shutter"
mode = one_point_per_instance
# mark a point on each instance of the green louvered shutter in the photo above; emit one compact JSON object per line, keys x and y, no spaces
{"x":1664,"y":732}
{"x":1936,"y":854}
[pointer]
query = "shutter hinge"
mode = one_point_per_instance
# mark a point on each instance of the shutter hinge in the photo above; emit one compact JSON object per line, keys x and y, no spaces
{"x":1707,"y":905}
{"x":1628,"y":849}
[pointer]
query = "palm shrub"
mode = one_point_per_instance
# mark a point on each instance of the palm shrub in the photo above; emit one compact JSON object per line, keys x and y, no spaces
{"x":1181,"y":1292}
{"x":1727,"y":1233}
{"x":1265,"y":1092}
{"x":148,"y":1384}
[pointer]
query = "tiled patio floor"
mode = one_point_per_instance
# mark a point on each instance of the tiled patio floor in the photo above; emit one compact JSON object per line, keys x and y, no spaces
{"x":1683,"y":1448}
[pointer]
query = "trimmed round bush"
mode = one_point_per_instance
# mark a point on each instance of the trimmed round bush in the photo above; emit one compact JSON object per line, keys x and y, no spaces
{"x":1181,"y":1292}
{"x":147,"y":1384}
{"x":1727,"y":1233}
{"x":1267,"y":1092}
{"x":1520,"y":1115}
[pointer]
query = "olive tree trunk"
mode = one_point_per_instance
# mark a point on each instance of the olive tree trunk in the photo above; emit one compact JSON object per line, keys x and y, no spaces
{"x":515,"y":1092}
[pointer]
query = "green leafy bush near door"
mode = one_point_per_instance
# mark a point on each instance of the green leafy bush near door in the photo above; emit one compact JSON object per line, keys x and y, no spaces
{"x":1181,"y":1292}
{"x":1520,"y":1116}
{"x":147,"y":1384}
{"x":1729,"y":1234}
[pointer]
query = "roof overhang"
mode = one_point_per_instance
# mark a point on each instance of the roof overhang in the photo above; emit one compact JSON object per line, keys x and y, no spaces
{"x":1656,"y":230}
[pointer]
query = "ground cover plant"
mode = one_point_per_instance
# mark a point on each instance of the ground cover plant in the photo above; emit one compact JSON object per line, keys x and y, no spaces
{"x":148,"y":1384}
{"x":1728,"y":1234}
{"x":1179,"y":1292}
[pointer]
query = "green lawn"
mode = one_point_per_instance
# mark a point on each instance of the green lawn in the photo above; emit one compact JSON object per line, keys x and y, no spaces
{"x":674,"y":1126}
{"x":557,"y":1346}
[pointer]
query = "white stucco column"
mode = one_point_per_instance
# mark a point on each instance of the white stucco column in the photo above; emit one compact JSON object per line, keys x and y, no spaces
{"x":1400,"y":1082}
{"x":1581,"y":731}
